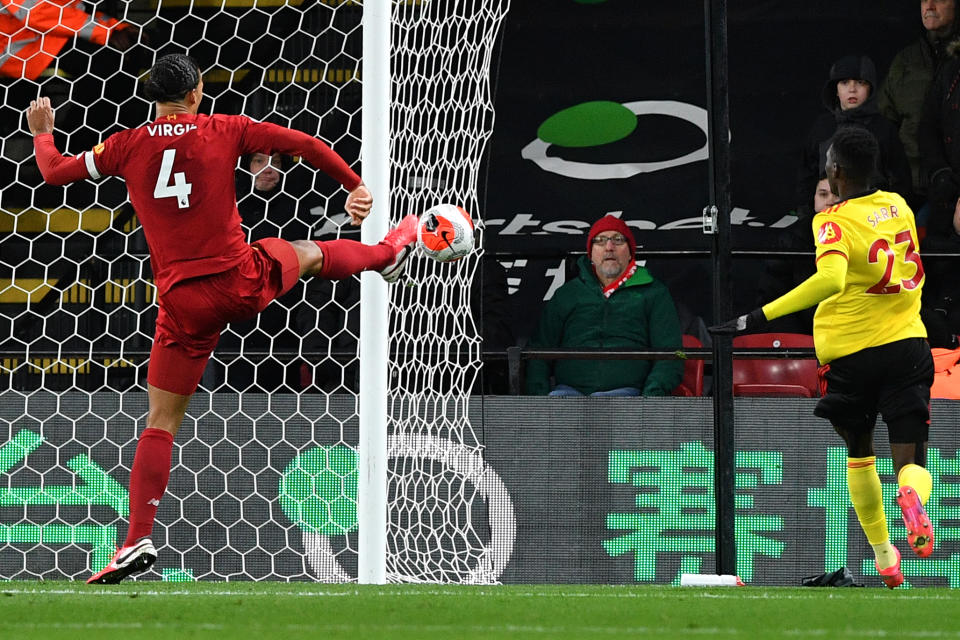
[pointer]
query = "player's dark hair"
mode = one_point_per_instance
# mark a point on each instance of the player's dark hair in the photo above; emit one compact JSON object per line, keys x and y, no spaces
{"x":171,"y":78}
{"x":857,"y":151}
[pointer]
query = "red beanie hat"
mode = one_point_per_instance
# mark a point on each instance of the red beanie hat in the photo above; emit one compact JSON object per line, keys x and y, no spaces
{"x":611,"y":223}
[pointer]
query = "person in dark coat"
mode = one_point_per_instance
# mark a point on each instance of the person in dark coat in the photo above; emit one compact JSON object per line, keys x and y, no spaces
{"x":782,"y":274}
{"x":905,"y":88}
{"x":939,"y":140}
{"x":849,"y":98}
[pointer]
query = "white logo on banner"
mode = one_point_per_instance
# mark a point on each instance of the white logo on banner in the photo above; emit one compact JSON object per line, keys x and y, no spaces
{"x":697,"y":116}
{"x":467,"y":464}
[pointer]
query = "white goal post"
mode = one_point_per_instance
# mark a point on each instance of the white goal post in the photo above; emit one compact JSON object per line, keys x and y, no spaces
{"x":330,"y":439}
{"x":374,"y":314}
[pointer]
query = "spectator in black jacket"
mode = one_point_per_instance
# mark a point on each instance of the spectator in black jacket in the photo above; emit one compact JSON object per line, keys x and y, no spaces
{"x":849,"y":97}
{"x":939,"y":138}
{"x":783,"y":274}
{"x":905,"y":88}
{"x":269,"y":201}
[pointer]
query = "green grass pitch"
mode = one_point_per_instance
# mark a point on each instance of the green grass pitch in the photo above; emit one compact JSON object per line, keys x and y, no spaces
{"x":265,"y":611}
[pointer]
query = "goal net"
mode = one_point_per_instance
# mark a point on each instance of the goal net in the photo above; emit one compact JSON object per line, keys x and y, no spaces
{"x":264,"y":476}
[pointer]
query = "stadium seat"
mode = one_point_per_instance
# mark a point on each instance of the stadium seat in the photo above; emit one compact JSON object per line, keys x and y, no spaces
{"x":775,"y":377}
{"x":692,"y":382}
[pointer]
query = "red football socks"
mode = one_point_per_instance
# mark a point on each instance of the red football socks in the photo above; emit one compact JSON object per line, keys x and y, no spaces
{"x":148,"y":481}
{"x":343,"y":258}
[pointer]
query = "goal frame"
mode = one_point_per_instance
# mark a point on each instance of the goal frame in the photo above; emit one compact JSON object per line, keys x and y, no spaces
{"x":374,"y":353}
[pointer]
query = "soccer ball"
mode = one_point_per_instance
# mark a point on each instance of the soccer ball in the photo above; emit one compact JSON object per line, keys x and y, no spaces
{"x":445,"y":232}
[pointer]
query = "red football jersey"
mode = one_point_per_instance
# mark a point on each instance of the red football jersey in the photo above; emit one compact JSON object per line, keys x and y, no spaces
{"x":179,"y":171}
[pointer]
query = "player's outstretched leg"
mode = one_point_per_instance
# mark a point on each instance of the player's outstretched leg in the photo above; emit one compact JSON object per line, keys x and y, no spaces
{"x":135,"y":558}
{"x":402,"y":239}
{"x":915,"y":486}
{"x":343,"y":258}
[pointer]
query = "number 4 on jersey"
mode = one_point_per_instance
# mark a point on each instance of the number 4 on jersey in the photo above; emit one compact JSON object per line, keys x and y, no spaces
{"x":179,"y":188}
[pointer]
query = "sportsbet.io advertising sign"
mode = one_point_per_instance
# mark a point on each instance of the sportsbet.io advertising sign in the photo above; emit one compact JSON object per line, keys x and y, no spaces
{"x":608,"y":491}
{"x":601,"y":107}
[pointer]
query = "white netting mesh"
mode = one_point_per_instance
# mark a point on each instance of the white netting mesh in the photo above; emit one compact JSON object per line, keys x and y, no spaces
{"x":441,"y":117}
{"x":264,"y":472}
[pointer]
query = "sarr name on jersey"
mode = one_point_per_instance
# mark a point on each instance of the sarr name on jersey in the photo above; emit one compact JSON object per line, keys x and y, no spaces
{"x":883,"y":214}
{"x":167,"y":129}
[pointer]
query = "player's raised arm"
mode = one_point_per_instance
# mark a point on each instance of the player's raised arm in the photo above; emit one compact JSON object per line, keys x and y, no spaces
{"x":54,"y":166}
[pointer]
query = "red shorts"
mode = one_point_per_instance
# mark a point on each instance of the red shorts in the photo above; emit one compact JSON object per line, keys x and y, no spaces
{"x":194,"y":312}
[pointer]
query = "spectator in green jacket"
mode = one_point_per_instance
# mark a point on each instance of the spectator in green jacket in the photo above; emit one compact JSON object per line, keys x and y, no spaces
{"x":903,"y":91}
{"x":613,"y":303}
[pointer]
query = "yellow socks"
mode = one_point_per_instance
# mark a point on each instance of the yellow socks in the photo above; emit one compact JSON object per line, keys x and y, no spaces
{"x":867,"y":498}
{"x":885,"y":553}
{"x":913,"y":475}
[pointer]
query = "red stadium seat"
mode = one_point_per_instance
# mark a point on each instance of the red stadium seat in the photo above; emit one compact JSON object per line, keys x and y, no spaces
{"x":775,"y":377}
{"x":692,"y":382}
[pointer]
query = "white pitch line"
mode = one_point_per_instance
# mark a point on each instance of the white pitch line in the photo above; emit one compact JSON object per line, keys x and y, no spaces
{"x":736,"y":593}
{"x":127,"y":593}
{"x":452,"y":630}
{"x":550,"y":631}
{"x":87,"y":626}
{"x":870,"y":633}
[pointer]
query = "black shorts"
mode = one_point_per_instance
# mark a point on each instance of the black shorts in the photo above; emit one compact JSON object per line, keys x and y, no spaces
{"x":892,"y":380}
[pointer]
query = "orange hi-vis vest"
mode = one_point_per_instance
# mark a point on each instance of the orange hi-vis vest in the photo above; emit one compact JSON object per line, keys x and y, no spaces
{"x":32,"y":33}
{"x":946,"y":380}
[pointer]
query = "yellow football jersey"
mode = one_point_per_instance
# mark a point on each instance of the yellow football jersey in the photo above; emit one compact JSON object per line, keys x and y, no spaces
{"x":880,"y":299}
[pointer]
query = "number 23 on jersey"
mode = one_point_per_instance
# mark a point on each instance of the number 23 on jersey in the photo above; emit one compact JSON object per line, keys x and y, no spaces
{"x":904,"y":250}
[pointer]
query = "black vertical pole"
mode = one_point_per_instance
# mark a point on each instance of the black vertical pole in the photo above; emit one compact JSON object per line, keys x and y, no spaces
{"x":715,"y":18}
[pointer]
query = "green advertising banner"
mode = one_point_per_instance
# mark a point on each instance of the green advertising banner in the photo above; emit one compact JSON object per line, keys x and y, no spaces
{"x":588,"y":490}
